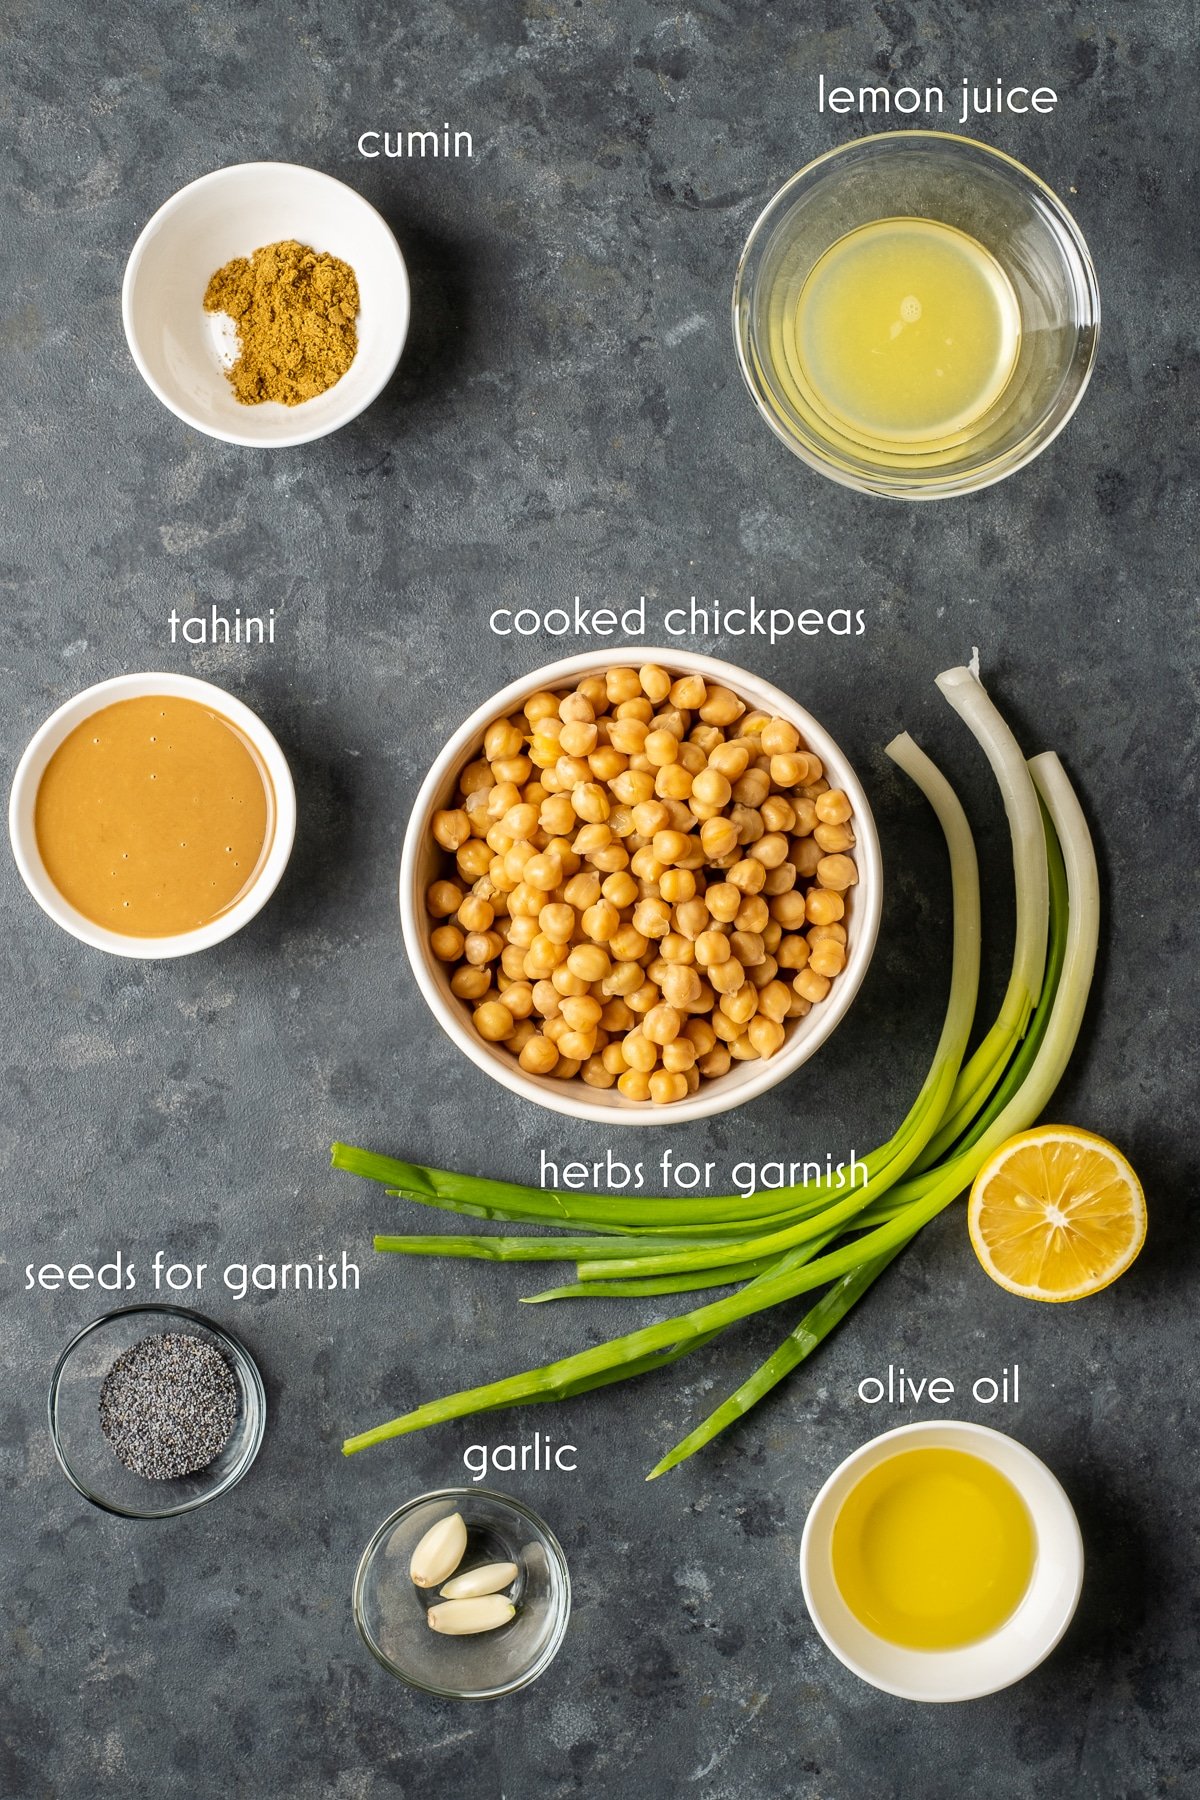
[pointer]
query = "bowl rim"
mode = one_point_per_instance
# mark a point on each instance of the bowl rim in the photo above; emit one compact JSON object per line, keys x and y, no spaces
{"x":1023,"y":1468}
{"x":554,"y":1642}
{"x":885,"y":484}
{"x":32,"y":766}
{"x":714,"y":1097}
{"x":162,"y":217}
{"x":245,"y":1368}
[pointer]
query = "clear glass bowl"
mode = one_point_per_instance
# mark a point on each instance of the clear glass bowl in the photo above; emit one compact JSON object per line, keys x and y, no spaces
{"x":87,"y":1458}
{"x":993,"y":199}
{"x":390,"y":1612}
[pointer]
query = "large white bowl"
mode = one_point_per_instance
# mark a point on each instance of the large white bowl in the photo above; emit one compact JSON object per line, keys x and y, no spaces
{"x":423,"y":861}
{"x":178,"y":347}
{"x":32,"y":767}
{"x":995,"y":1662}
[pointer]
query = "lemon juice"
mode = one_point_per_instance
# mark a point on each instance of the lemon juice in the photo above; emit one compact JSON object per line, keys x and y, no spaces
{"x":901,"y":337}
{"x":933,"y":1549}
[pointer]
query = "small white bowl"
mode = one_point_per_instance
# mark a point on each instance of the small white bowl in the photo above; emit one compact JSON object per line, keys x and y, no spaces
{"x":995,"y":1662}
{"x":182,"y":351}
{"x":423,"y":860}
{"x":32,"y":767}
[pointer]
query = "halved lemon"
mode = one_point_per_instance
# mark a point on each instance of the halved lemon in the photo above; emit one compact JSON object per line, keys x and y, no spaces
{"x":1056,"y":1213}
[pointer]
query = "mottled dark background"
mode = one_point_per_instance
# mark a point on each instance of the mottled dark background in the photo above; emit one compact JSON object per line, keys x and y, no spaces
{"x":568,"y":418}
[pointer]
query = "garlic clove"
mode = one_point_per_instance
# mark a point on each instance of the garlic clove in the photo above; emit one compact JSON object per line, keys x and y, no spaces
{"x":439,"y":1552}
{"x":462,"y":1618}
{"x":489,"y":1578}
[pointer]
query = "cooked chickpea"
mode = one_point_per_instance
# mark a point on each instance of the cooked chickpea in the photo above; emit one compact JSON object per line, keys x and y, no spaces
{"x":451,"y":828}
{"x":827,"y":958}
{"x":833,"y":807}
{"x":678,"y":1056}
{"x":673,"y":782}
{"x":667,"y":1087}
{"x":590,"y":802}
{"x":470,"y":983}
{"x":793,"y":953}
{"x":824,"y":907}
{"x":752,"y":788}
{"x":617,"y":1017}
{"x":748,"y":875}
{"x":546,"y":999}
{"x":512,"y":961}
{"x":633,"y":786}
{"x":652,"y":918}
{"x":748,"y":947}
{"x":680,"y":986}
{"x":656,"y":683}
{"x":544,"y":872}
{"x":770,"y":850}
{"x":788,"y":771}
{"x":628,"y":944}
{"x":589,"y":962}
{"x":765,"y":1034}
{"x":726,"y":976}
{"x":639,"y":1052}
{"x":475,"y":914}
{"x":566,"y":983}
{"x":661,"y":1024}
{"x":634,"y":1085}
{"x":557,"y":922}
{"x":691,"y":917}
{"x":714,"y":1062}
{"x":493,"y":1021}
{"x":811,"y":986}
{"x":480,"y":947}
{"x":741,"y":1005}
{"x":677,"y":885}
{"x":447,"y":943}
{"x":661,"y":747}
{"x":722,"y":900}
{"x":518,"y":997}
{"x":443,"y":899}
{"x":836,"y":873}
{"x":608,"y":860}
{"x":538,"y":1055}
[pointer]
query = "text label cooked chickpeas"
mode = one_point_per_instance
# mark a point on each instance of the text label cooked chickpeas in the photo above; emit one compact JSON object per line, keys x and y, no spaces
{"x":641,"y":882}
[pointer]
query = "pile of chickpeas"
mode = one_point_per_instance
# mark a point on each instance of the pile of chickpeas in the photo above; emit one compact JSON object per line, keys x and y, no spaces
{"x":645,"y":882}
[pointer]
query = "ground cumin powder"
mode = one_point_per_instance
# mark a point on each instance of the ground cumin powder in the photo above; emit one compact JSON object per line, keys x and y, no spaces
{"x":294,"y":308}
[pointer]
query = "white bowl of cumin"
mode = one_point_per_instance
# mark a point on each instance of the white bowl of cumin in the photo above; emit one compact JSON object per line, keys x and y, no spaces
{"x":185,"y":352}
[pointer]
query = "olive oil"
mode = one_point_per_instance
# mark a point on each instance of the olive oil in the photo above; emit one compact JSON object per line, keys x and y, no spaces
{"x":933,"y":1549}
{"x":903,"y":335}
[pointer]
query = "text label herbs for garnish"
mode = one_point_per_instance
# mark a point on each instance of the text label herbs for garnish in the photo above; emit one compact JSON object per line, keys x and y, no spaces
{"x":671,"y":1174}
{"x":699,"y":618}
{"x":973,"y":100}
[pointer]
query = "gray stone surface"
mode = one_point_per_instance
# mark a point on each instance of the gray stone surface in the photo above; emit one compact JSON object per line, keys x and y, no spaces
{"x":569,"y":418}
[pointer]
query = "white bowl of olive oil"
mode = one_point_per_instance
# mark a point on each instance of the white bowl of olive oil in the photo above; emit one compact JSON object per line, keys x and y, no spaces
{"x":916,"y":315}
{"x":941,"y":1561}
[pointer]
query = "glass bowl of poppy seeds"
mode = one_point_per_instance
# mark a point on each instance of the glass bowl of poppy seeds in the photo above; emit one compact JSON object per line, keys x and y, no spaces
{"x":155,"y":1410}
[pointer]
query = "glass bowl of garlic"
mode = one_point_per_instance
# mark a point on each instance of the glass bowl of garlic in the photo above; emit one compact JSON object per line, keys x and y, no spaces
{"x":463,"y":1593}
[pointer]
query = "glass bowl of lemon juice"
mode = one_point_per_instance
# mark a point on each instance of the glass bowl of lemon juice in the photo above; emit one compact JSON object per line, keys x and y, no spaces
{"x":916,"y":315}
